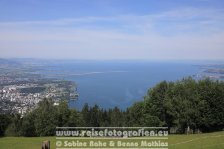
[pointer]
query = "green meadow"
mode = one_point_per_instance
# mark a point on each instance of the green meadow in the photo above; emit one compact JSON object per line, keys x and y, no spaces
{"x":194,"y":141}
{"x":197,"y":141}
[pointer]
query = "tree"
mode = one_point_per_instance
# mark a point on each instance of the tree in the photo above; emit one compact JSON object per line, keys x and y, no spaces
{"x":117,"y":118}
{"x":154,"y":102}
{"x":28,"y":127}
{"x":186,"y":103}
{"x":46,"y":118}
{"x":135,"y":116}
{"x":5,"y":120}
{"x":86,"y":115}
{"x":75,"y":119}
{"x":95,"y":116}
{"x":63,"y":114}
{"x":14,"y":128}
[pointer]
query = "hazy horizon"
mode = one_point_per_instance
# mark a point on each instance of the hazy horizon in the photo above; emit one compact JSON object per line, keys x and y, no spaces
{"x":114,"y":59}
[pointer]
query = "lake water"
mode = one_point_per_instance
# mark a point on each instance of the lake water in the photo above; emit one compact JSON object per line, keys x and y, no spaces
{"x":118,"y":83}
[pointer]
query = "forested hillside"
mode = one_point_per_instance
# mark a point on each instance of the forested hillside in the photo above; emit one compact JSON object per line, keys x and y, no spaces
{"x":198,"y":105}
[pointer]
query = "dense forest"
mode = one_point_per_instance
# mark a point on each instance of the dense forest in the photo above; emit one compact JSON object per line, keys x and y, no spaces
{"x":197,"y":104}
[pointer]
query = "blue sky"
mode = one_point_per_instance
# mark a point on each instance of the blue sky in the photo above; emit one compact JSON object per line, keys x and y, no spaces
{"x":112,"y":29}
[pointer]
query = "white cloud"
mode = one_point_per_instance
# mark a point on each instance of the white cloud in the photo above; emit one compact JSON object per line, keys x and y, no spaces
{"x":182,"y":33}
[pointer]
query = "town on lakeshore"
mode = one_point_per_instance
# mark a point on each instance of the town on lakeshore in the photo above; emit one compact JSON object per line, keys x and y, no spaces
{"x":21,"y":90}
{"x":22,"y":86}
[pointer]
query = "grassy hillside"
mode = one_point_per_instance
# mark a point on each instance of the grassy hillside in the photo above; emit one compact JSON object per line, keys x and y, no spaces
{"x":24,"y":142}
{"x":197,"y":141}
{"x":200,"y":141}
